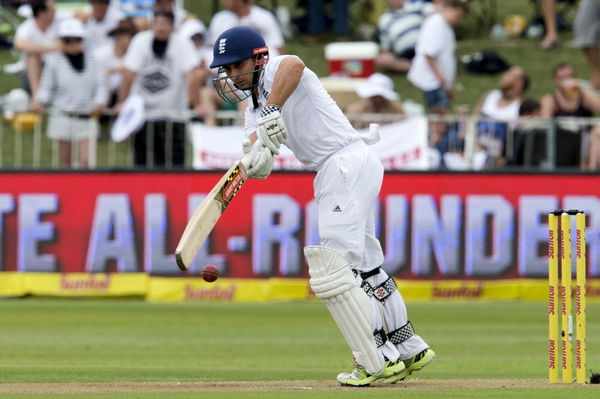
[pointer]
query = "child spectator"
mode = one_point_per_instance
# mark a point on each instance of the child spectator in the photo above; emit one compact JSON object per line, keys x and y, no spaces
{"x":72,"y":83}
{"x":433,"y":69}
{"x":398,"y":30}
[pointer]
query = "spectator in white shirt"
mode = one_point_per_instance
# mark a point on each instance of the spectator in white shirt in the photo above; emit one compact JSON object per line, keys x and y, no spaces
{"x":246,"y":13}
{"x":111,"y":56}
{"x":72,"y":83}
{"x":99,"y":21}
{"x":433,"y":69}
{"x":160,"y":66}
{"x":35,"y":38}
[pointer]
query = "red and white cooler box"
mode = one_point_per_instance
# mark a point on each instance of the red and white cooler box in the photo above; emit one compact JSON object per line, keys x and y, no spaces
{"x":351,"y":59}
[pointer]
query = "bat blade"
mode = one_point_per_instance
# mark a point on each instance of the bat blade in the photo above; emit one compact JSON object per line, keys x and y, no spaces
{"x":207,"y":214}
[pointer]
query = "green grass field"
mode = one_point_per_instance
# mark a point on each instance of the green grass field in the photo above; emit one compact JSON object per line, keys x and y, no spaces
{"x":134,"y":349}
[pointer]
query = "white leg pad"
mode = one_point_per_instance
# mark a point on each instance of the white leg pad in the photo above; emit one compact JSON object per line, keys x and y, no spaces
{"x":333,"y":282}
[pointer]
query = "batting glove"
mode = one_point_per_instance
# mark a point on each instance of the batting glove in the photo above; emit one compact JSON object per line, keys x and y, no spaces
{"x":271,"y":128}
{"x":262,"y":163}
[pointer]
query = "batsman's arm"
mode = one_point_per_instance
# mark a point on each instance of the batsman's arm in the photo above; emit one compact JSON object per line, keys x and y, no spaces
{"x":286,"y":80}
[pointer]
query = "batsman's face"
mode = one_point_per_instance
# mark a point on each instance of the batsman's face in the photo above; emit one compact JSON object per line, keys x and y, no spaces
{"x":240,"y":73}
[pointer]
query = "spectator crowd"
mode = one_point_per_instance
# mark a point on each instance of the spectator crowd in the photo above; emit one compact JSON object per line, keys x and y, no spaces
{"x":81,"y":65}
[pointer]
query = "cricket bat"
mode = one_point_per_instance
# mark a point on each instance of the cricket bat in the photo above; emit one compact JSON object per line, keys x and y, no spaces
{"x":209,"y":211}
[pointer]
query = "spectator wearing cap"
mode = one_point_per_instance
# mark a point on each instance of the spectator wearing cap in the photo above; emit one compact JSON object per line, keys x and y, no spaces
{"x":160,"y":66}
{"x":71,"y":81}
{"x":111,"y":56}
{"x":377,"y":97}
{"x":246,"y":13}
{"x":397,"y":33}
{"x":35,"y":38}
{"x":99,"y":21}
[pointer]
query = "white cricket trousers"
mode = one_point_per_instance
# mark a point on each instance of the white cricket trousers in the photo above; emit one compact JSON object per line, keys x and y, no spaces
{"x":346,"y":190}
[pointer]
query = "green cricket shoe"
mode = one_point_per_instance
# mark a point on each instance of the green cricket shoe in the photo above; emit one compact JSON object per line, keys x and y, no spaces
{"x":413,"y":364}
{"x":359,"y":377}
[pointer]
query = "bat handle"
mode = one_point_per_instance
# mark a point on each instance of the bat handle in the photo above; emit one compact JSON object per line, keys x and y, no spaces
{"x":247,"y":158}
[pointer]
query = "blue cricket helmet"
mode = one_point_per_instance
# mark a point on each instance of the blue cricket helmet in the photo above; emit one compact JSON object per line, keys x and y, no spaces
{"x":237,"y":44}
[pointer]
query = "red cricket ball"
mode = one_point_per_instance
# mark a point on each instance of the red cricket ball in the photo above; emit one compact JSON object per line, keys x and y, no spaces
{"x":209,"y":273}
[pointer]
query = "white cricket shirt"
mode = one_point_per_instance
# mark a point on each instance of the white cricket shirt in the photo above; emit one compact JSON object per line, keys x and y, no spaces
{"x":316,"y":126}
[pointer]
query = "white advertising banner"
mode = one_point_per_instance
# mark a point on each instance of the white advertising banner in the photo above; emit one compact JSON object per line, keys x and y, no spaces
{"x":403,"y":145}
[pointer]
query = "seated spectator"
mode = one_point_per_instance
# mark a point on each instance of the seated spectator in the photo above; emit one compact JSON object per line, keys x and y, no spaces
{"x":378,"y":97}
{"x":111,"y":56}
{"x":570,"y":99}
{"x":35,"y":38}
{"x":98,"y":22}
{"x":246,"y":13}
{"x":72,"y":83}
{"x":499,"y":108}
{"x":398,"y":30}
{"x":530,"y":136}
{"x":161,"y":67}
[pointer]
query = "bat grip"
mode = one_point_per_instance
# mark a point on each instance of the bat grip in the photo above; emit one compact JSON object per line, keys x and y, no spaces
{"x":247,"y":158}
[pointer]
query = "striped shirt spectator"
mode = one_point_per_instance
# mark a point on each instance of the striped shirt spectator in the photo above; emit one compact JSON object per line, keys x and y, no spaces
{"x":73,"y":84}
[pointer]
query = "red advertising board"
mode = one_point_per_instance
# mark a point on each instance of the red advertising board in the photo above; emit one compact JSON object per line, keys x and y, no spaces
{"x":467,"y":226}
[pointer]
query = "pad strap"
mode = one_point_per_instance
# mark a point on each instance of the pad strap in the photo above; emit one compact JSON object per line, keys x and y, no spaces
{"x":382,"y":291}
{"x":401,"y":334}
{"x":380,"y":337}
{"x":368,"y":274}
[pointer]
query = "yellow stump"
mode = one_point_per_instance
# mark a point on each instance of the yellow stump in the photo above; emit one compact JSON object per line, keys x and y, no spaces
{"x":565,"y":299}
{"x":580,"y":299}
{"x":552,"y":297}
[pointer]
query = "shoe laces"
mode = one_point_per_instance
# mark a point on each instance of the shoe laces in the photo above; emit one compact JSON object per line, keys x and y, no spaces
{"x":360,"y":371}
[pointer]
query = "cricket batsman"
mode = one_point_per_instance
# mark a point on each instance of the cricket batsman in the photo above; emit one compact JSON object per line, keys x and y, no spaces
{"x":288,"y":105}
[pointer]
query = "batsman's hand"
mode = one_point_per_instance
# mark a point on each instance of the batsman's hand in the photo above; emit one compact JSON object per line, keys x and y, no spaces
{"x":271,"y":128}
{"x":262,"y":163}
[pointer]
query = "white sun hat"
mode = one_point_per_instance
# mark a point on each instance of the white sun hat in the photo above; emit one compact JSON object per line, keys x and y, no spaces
{"x":192,"y":27}
{"x":71,"y":27}
{"x":378,"y":85}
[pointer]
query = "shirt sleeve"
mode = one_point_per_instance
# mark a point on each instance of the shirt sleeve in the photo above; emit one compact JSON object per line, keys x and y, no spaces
{"x":100,"y":89}
{"x":189,"y":55}
{"x":134,"y":56}
{"x":47,"y":82}
{"x":250,"y":121}
{"x":23,"y":30}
